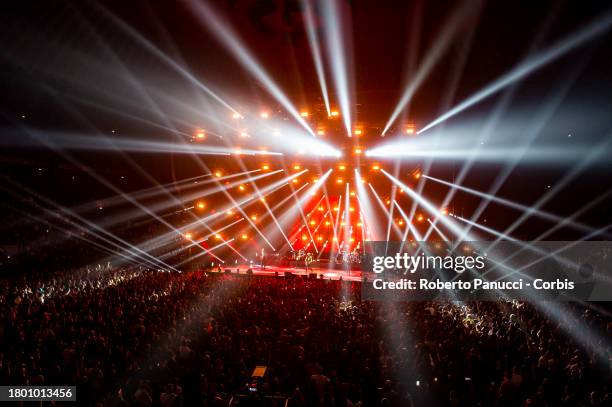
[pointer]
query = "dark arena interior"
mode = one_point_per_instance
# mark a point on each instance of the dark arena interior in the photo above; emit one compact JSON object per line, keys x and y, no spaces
{"x":194,"y":193}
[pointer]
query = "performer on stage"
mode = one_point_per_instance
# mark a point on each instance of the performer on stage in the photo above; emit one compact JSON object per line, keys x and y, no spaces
{"x":263,"y":259}
{"x":308,"y":258}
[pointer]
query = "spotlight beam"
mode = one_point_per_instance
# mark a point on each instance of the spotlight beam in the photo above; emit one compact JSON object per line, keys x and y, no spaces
{"x":207,"y":251}
{"x":570,"y":175}
{"x":262,"y":199}
{"x":409,"y":226}
{"x":220,"y":29}
{"x":70,"y":234}
{"x":155,"y":242}
{"x":534,"y":131}
{"x":109,"y":185}
{"x":161,"y":55}
{"x":337,"y":225}
{"x":366,"y":209}
{"x":314,"y":232}
{"x":428,"y":206}
{"x":313,"y":41}
{"x":285,"y":200}
{"x":442,"y":43}
{"x":331,"y":217}
{"x":396,"y":170}
{"x":347,"y":215}
{"x":595,"y":29}
{"x":91,"y":228}
{"x":291,"y":214}
{"x":302,"y":200}
{"x":337,"y":57}
{"x":514,"y":205}
{"x":306,"y":225}
{"x":91,"y":143}
{"x":144,"y":193}
{"x":164,"y":205}
{"x":502,"y":154}
{"x":485,"y":229}
{"x":553,"y":254}
{"x":397,"y":230}
{"x":437,"y":229}
{"x":565,"y":222}
{"x":241,"y":210}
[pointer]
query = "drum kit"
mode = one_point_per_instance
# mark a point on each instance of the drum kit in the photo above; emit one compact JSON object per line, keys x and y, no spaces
{"x":342,"y":257}
{"x":348,"y":257}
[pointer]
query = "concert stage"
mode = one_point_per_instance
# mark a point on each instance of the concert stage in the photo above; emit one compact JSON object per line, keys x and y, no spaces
{"x":281,"y":271}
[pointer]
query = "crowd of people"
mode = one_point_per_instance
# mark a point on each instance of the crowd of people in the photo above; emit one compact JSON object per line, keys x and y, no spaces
{"x":135,"y":337}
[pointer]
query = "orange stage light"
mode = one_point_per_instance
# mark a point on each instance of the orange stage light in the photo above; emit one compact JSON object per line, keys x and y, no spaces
{"x":188,"y":236}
